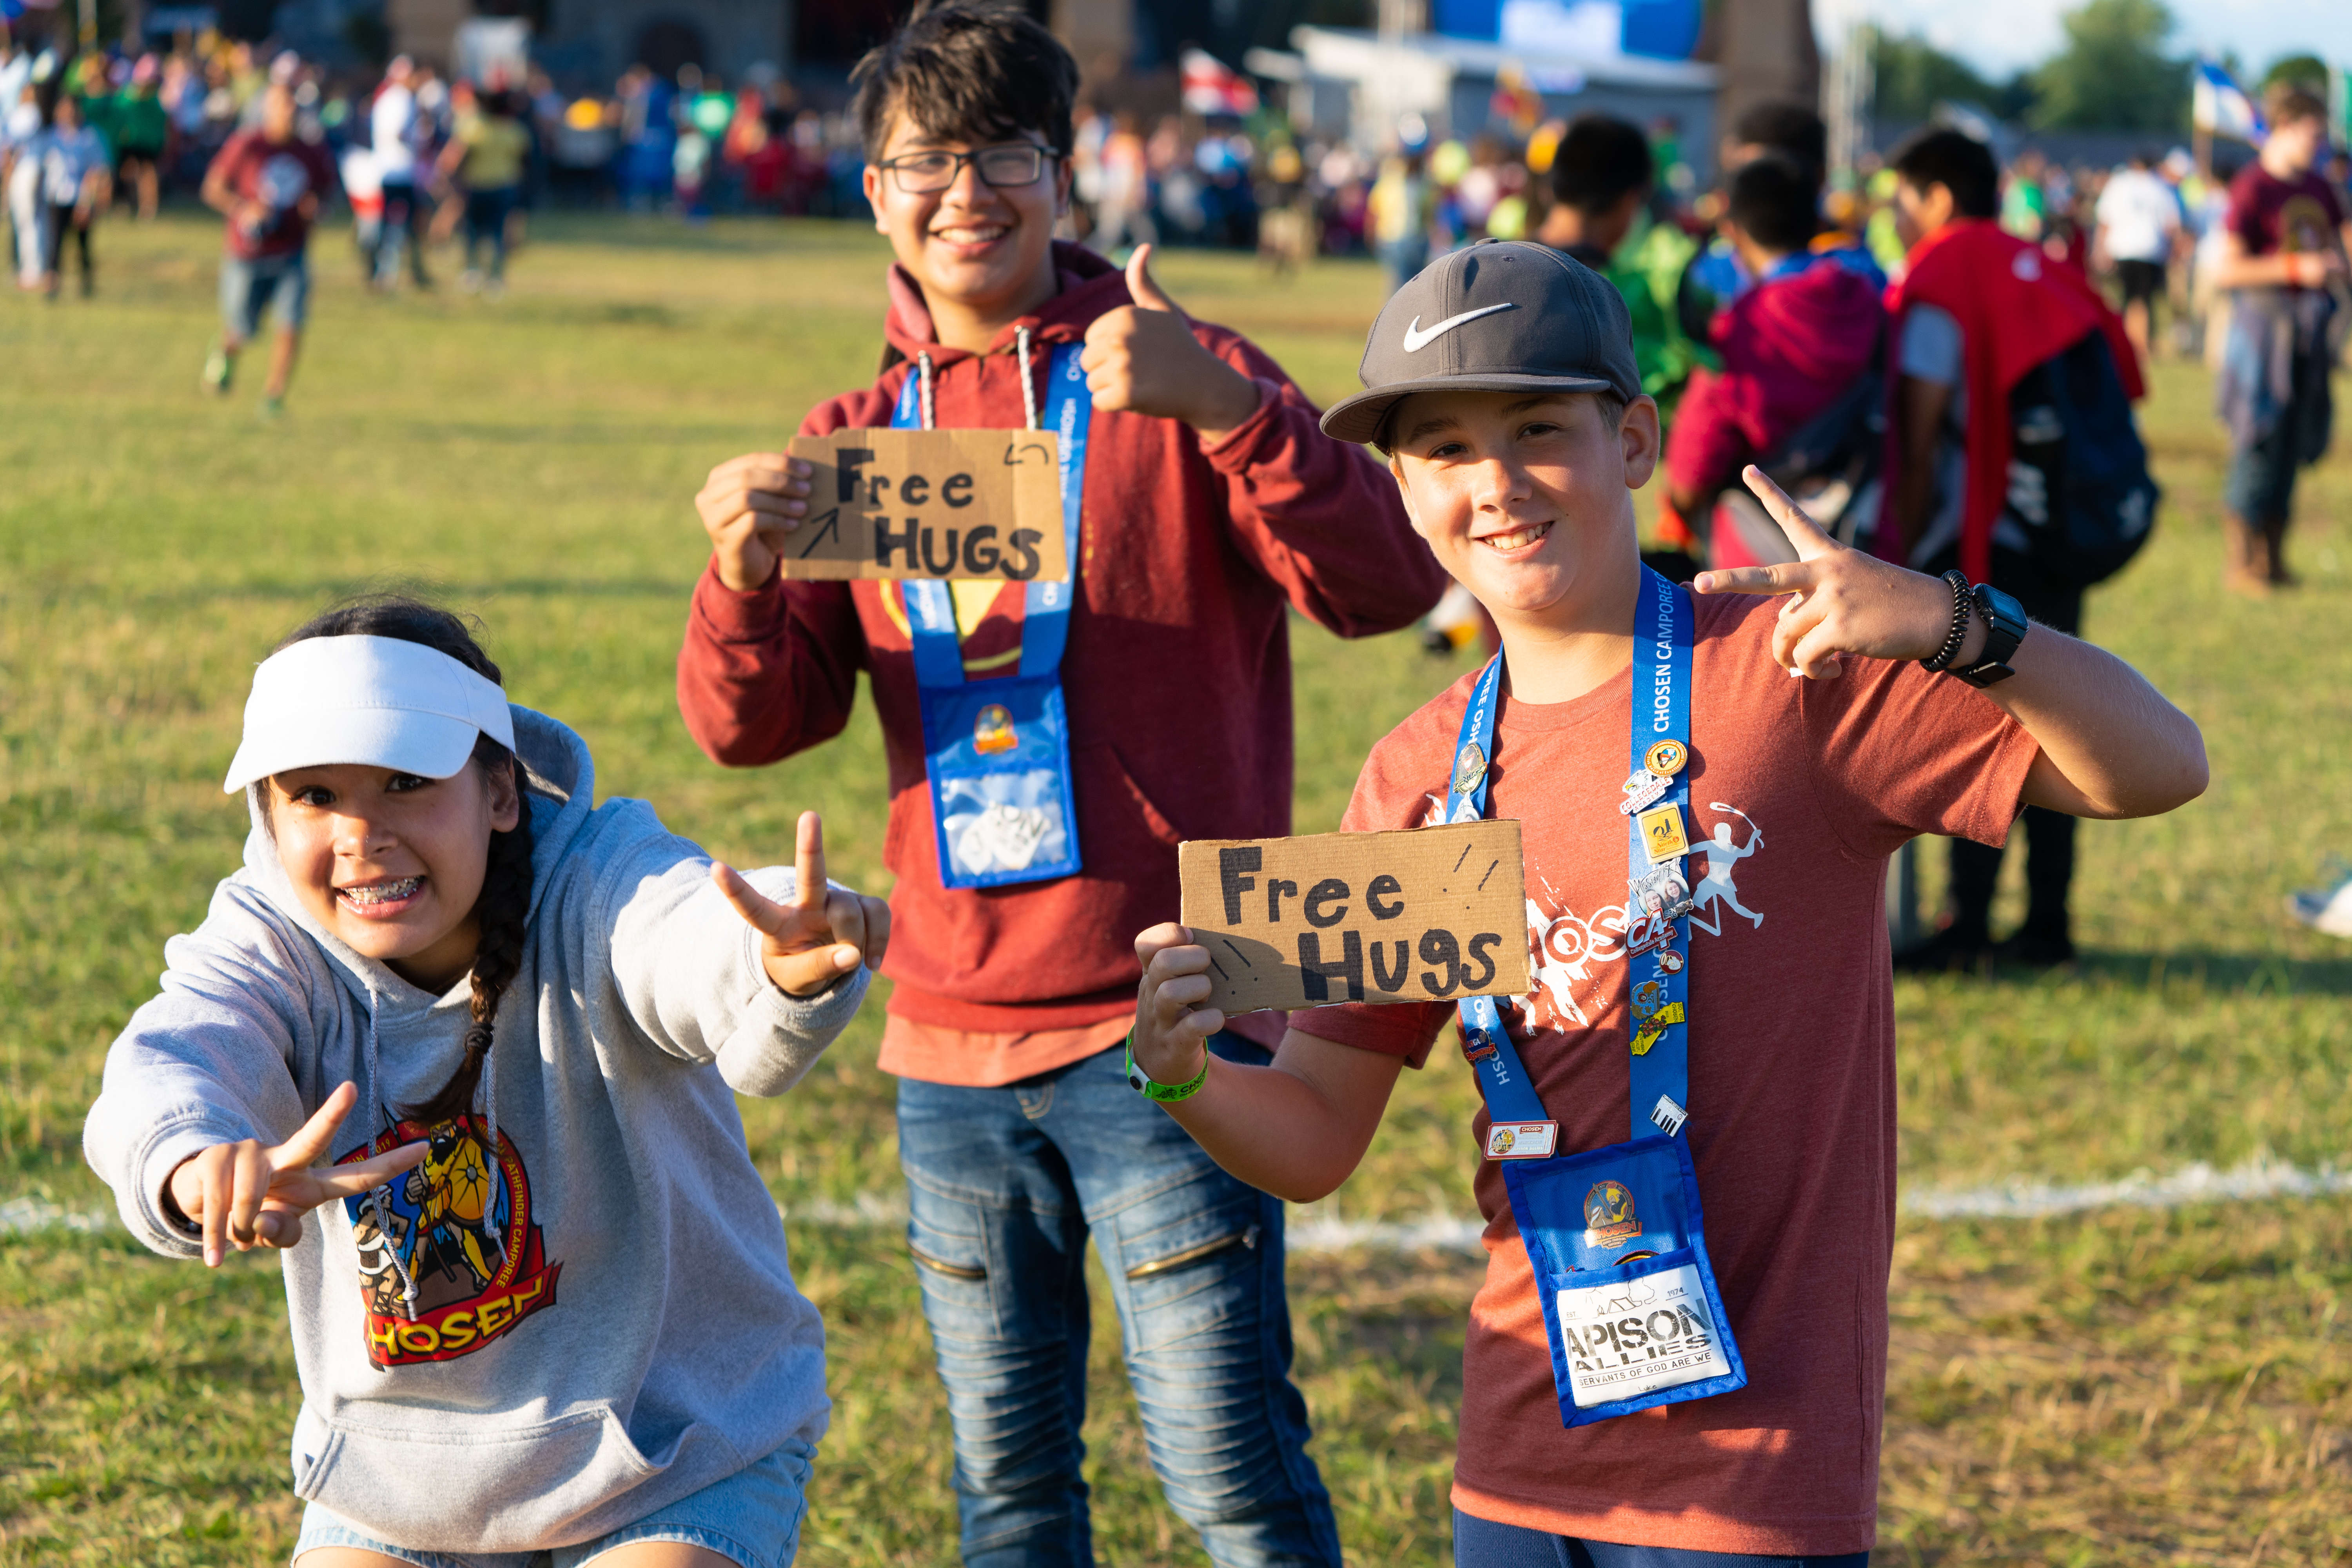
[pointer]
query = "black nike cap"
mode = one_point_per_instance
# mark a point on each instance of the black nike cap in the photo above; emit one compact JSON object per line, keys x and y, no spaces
{"x":1496,"y":316}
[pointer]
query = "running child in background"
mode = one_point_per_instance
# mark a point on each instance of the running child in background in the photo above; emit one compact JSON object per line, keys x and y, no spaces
{"x":2283,"y":260}
{"x":1205,"y":506}
{"x":1800,"y":337}
{"x":269,"y":182}
{"x":533,"y":1013}
{"x":1756,"y":1057}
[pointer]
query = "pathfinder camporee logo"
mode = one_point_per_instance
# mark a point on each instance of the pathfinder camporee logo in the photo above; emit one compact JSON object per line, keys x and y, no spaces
{"x":1609,"y":1219}
{"x":449,"y":1252}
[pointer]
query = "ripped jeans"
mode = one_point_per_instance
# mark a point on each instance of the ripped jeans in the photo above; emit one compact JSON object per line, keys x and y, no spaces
{"x":1004,"y":1185}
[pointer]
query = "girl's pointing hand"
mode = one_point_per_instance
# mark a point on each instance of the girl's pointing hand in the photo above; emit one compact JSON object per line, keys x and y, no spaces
{"x":252,"y":1196}
{"x":823,"y":933}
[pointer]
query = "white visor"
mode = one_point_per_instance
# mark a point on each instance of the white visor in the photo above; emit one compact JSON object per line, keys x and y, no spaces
{"x":377,"y":701}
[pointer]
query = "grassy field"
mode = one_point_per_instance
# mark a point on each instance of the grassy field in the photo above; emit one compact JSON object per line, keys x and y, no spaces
{"x":2123,"y":1385}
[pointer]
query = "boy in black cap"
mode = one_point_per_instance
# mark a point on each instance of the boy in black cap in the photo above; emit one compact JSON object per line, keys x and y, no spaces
{"x":1757,"y":1065}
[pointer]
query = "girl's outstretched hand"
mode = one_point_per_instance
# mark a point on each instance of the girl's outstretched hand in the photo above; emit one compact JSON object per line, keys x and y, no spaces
{"x":823,"y":933}
{"x":1844,"y":601}
{"x":255,"y":1197}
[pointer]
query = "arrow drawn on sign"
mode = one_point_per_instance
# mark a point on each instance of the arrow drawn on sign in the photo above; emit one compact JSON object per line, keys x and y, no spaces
{"x":1018,"y":453}
{"x":831,"y":530}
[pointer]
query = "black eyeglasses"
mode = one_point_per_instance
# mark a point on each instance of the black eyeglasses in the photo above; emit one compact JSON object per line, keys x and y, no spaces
{"x":927,"y":173}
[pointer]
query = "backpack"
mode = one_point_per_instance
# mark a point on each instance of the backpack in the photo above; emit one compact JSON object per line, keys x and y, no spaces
{"x":1833,"y":458}
{"x":2079,"y":489}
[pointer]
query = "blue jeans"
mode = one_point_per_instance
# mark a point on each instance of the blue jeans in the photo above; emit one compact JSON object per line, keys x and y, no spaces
{"x":752,"y":1519}
{"x":1003,"y":1187}
{"x":1482,"y":1543}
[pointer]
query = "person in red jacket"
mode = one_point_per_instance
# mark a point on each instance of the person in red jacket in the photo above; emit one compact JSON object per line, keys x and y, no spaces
{"x":1978,"y":308}
{"x":1212,"y":505}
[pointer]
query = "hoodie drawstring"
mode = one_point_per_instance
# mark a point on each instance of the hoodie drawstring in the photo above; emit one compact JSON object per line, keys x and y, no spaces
{"x":490,"y":1098}
{"x":382,"y":1192}
{"x":923,"y":370}
{"x":1028,"y":387}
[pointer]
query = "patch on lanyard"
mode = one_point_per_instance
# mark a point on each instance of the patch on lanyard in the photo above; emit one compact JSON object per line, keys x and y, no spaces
{"x":1636,"y":1336}
{"x":1522,"y":1140}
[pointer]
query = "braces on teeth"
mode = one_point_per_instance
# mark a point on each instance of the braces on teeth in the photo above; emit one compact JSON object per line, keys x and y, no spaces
{"x":383,"y":893}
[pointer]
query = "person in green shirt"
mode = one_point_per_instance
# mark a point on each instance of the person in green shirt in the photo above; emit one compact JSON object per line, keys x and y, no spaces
{"x":139,"y":130}
{"x":487,"y":151}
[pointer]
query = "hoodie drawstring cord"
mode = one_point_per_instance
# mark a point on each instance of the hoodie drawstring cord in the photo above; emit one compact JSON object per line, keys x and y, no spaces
{"x":1028,"y":387}
{"x":923,"y":370}
{"x":489,"y":1097}
{"x":381,"y":1192}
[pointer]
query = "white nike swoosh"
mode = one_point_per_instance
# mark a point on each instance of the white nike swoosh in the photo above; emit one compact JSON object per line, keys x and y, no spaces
{"x":1416,"y":340}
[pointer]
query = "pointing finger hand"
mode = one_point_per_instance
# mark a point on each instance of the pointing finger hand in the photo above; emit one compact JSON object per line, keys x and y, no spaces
{"x":1782,"y":577}
{"x":808,"y":862}
{"x":1804,"y":533}
{"x":760,"y":913}
{"x":362,"y":1176}
{"x":309,"y":1146}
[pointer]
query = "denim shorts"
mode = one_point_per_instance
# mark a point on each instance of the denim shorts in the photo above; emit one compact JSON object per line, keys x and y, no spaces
{"x":280,"y":284}
{"x":752,"y":1518}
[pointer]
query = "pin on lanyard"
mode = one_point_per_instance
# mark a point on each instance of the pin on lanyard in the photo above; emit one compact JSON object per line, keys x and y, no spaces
{"x":1658,"y":893}
{"x":1664,"y":627}
{"x":1046,"y":606}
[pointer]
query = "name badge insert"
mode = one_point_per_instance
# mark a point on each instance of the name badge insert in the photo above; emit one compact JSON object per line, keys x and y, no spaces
{"x":998,"y":749}
{"x":1615,"y":1236}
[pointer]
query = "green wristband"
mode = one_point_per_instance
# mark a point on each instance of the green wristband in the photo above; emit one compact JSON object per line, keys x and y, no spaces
{"x":1167,"y":1094}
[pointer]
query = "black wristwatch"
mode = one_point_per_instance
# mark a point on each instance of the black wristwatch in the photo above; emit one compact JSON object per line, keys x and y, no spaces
{"x":2005,"y":628}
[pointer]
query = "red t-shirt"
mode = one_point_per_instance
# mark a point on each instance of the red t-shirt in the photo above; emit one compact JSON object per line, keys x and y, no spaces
{"x":2269,"y":215}
{"x":277,"y":175}
{"x":1799,"y":791}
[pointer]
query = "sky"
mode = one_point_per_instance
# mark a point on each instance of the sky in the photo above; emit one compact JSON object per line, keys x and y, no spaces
{"x":1998,"y":37}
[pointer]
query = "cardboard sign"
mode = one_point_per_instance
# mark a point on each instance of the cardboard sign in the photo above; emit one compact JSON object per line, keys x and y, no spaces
{"x":972,"y":504}
{"x":1431,"y":915}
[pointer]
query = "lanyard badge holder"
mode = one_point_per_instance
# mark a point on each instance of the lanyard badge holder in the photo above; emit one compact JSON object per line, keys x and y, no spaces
{"x":1614,"y":1236}
{"x":998,"y":751}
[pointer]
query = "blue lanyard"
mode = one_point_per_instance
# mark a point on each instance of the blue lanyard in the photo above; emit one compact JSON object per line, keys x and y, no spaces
{"x":1046,"y":606}
{"x":1663,"y":630}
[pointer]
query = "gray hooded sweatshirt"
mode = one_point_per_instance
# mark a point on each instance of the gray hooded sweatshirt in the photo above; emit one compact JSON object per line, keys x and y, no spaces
{"x":533,"y":1348}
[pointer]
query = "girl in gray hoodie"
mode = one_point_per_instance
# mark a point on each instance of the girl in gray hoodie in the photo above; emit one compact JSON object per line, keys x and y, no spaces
{"x":543,"y":1313}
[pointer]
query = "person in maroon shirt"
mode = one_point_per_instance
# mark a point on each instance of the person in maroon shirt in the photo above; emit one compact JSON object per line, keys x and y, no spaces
{"x":2283,"y":260}
{"x":1214,"y":506}
{"x":268,"y":182}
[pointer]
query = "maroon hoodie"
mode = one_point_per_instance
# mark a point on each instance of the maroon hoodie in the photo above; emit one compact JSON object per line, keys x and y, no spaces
{"x":1177,"y":675}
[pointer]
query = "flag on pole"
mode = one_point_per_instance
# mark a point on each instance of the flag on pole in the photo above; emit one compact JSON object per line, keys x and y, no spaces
{"x":1212,"y":87}
{"x":2223,"y":108}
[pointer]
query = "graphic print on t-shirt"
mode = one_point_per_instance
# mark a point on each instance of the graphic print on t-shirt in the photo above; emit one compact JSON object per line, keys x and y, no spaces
{"x":450,"y":1254}
{"x":1565,"y":947}
{"x":2304,"y":227}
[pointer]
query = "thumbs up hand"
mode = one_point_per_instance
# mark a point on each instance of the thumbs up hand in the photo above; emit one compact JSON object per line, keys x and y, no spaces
{"x":1842,"y":601}
{"x":1144,"y":358}
{"x":823,"y":934}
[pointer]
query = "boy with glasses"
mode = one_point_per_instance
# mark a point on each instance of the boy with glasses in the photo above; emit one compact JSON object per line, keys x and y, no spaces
{"x":1209,"y":505}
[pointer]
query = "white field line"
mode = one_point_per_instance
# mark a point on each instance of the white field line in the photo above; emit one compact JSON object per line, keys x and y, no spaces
{"x":1312,"y":1230}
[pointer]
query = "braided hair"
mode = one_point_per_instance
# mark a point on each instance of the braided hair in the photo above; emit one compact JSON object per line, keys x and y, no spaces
{"x":505,"y":901}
